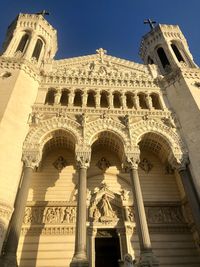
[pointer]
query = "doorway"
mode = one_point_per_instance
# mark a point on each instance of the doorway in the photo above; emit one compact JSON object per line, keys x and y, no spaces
{"x":107,"y":248}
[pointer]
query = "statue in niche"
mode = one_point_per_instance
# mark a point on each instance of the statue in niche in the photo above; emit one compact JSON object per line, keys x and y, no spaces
{"x":60,"y":163}
{"x":105,"y":208}
{"x":103,"y":164}
{"x":168,"y":169}
{"x":145,"y":165}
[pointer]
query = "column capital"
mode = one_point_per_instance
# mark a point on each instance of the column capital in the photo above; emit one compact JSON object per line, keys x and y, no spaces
{"x":132,"y":158}
{"x":31,"y":159}
{"x":178,"y":161}
{"x":83,"y":156}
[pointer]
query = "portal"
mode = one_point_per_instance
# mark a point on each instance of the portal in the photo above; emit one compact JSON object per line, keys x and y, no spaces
{"x":107,"y":248}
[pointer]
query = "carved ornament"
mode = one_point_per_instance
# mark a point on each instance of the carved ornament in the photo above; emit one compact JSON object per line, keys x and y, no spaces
{"x":145,"y":165}
{"x":60,"y":163}
{"x":31,"y":159}
{"x":103,"y":164}
{"x":83,"y":156}
{"x":178,"y":161}
{"x":103,"y":208}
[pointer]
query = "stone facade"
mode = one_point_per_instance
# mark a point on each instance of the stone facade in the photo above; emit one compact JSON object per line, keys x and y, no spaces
{"x":100,"y":147}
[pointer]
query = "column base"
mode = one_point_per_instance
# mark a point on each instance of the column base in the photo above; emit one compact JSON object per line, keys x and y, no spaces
{"x":79,"y":263}
{"x":148,"y":259}
{"x":9,"y":260}
{"x":79,"y":260}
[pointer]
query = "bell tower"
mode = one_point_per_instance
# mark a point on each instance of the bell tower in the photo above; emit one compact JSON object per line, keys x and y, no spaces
{"x":30,"y":42}
{"x":166,"y":46}
{"x":30,"y":36}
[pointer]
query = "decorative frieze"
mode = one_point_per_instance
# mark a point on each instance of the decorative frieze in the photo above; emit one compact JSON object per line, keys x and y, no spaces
{"x":58,"y":218}
{"x":164,"y":215}
{"x":39,"y":215}
{"x":52,"y":110}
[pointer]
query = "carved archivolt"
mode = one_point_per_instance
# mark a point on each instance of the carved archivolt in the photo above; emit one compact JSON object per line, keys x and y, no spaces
{"x":170,"y":136}
{"x":101,"y":125}
{"x":106,"y":130}
{"x":44,"y":131}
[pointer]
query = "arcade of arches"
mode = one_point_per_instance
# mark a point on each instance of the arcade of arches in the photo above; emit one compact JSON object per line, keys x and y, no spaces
{"x":99,"y":188}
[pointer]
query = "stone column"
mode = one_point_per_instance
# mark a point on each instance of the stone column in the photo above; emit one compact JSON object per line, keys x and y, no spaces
{"x":98,"y":99}
{"x":84,"y":99}
{"x":10,"y":259}
{"x":149,"y":102}
{"x":80,"y":255}
{"x":31,"y":46}
{"x":110,"y":100}
{"x":92,"y":234}
{"x":123,"y":101}
{"x":147,"y":257}
{"x":58,"y":95}
{"x":161,"y":102}
{"x":71,"y":98}
{"x":182,"y":167}
{"x":136,"y":101}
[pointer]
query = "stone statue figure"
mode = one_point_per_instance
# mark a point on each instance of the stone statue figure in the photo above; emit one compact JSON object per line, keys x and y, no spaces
{"x":106,"y":209}
{"x":128,"y":261}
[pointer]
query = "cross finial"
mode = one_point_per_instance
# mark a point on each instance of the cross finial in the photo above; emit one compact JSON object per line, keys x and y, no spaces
{"x":43,"y":13}
{"x":150,"y":22}
{"x":101,"y":52}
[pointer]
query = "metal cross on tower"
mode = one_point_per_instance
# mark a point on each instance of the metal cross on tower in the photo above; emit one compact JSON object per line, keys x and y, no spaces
{"x":150,"y":22}
{"x":43,"y":13}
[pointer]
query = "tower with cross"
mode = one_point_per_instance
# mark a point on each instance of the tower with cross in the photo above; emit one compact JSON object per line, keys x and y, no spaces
{"x":99,"y":156}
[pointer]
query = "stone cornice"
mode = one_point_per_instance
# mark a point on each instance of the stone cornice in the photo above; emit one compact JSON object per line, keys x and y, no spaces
{"x":99,"y":111}
{"x":177,"y":74}
{"x":8,"y":63}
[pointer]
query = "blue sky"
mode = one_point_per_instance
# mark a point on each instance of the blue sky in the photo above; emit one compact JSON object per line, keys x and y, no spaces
{"x":116,"y":25}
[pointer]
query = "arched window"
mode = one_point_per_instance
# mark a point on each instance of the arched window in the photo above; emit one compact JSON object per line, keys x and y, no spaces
{"x":116,"y":100}
{"x":64,"y":98}
{"x":23,"y":43}
{"x":155,"y":101}
{"x":177,"y":53}
{"x":104,"y":100}
{"x":163,"y":58}
{"x":142,"y":101}
{"x":91,"y":99}
{"x":50,"y":97}
{"x":78,"y":99}
{"x":129,"y":100}
{"x":38,"y":48}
